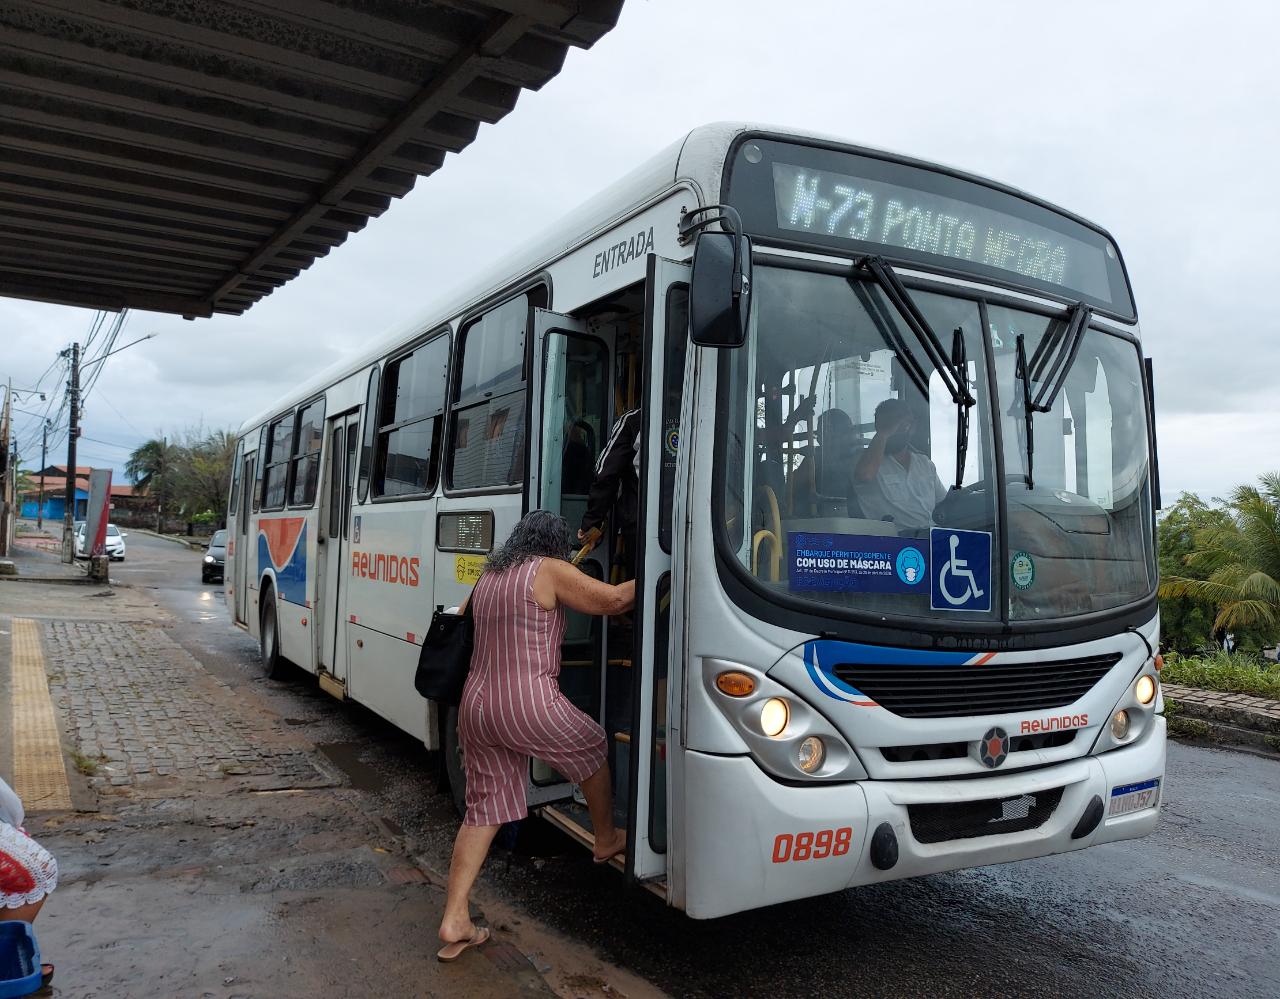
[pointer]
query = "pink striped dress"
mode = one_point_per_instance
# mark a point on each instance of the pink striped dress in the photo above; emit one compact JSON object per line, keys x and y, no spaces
{"x":512,"y":707}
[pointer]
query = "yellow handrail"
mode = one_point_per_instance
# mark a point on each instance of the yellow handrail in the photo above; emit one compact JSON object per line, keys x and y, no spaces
{"x":775,"y":552}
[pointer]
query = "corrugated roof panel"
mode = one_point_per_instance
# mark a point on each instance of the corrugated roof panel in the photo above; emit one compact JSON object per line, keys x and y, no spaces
{"x":191,"y":156}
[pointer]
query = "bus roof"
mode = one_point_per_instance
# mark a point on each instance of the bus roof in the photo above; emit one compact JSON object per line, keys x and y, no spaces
{"x":698,"y":157}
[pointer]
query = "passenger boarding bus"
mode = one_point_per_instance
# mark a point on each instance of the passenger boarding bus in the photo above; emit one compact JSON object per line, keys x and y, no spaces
{"x":858,"y":652}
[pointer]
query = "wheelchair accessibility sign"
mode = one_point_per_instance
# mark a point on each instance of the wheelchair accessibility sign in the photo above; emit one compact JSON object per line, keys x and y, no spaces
{"x":959,"y":570}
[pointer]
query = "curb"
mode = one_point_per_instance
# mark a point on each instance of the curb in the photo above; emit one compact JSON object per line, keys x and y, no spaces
{"x":1240,"y":721}
{"x":192,"y":543}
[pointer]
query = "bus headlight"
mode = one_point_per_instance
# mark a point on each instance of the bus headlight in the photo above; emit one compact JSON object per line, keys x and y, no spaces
{"x":773,"y":717}
{"x":1145,"y":689}
{"x":1120,"y":725}
{"x":810,"y":754}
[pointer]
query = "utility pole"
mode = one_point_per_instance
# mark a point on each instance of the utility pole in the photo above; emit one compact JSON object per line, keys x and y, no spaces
{"x":69,"y":514}
{"x":44,"y":457}
{"x":7,"y":473}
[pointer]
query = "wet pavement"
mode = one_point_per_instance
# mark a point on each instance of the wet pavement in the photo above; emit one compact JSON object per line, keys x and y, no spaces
{"x":1192,"y":910}
{"x":228,"y":837}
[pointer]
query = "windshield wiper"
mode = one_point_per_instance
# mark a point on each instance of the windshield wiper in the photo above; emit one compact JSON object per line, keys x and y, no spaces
{"x":1028,"y":411}
{"x":954,"y":373}
{"x":1068,"y":347}
{"x":960,"y":364}
{"x":898,"y":296}
{"x":1058,"y":363}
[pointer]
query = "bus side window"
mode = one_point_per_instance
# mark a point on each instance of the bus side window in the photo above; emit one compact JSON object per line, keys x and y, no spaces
{"x":407,"y":454}
{"x":487,"y":423}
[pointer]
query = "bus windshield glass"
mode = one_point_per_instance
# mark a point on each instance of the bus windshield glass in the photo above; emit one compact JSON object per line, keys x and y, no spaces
{"x":852,"y":487}
{"x":815,"y":195}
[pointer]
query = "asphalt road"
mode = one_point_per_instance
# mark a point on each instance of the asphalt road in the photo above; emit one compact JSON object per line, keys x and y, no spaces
{"x":1193,"y":910}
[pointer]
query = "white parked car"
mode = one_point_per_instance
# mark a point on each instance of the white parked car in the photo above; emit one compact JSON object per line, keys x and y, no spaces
{"x":115,"y":542}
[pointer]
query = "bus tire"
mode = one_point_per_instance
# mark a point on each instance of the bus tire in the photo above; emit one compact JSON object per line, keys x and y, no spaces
{"x":269,"y":636}
{"x":453,"y":761}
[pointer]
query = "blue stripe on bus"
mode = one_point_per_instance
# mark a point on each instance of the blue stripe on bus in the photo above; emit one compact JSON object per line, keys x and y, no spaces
{"x":827,"y":650}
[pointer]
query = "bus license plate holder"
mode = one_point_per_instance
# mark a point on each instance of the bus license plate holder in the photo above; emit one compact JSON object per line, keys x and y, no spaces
{"x":1136,"y":797}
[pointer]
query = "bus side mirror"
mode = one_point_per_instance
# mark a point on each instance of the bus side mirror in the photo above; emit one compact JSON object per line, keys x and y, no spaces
{"x":720,"y":290}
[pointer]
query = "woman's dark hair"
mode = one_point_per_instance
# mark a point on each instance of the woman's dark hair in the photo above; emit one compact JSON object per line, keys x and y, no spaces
{"x":539,"y":534}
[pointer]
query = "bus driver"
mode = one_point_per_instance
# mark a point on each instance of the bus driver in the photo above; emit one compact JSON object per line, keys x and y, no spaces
{"x":895,"y":482}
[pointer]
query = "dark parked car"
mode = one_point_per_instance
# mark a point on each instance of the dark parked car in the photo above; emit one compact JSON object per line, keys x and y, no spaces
{"x":215,"y":558}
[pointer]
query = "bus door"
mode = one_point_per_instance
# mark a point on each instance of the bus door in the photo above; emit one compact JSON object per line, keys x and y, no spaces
{"x":333,"y":542}
{"x":243,"y":554}
{"x":571,"y":378}
{"x":657,"y":636}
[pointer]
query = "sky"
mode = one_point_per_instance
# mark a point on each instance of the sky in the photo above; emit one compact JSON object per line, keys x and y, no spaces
{"x":1157,"y":120}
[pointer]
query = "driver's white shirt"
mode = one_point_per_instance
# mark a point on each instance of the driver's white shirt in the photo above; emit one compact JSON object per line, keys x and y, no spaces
{"x":906,"y":496}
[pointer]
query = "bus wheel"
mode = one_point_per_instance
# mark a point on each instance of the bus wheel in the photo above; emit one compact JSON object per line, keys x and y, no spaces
{"x":269,"y":638}
{"x":453,"y":761}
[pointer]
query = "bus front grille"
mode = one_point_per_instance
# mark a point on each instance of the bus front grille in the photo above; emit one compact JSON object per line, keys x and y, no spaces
{"x":989,"y":817}
{"x":987,"y":689}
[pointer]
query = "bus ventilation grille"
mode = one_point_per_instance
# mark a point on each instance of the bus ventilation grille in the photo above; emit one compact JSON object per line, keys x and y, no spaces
{"x":989,"y":817}
{"x":989,"y":689}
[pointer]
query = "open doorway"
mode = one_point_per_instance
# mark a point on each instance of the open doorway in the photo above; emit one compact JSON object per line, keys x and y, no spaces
{"x":617,"y":669}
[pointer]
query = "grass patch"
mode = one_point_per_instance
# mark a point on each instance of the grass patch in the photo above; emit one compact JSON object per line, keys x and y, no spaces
{"x":1230,"y":673}
{"x":87,"y":765}
{"x":1187,"y":728}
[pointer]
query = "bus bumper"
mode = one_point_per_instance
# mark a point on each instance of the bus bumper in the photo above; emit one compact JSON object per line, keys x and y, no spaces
{"x":752,"y":841}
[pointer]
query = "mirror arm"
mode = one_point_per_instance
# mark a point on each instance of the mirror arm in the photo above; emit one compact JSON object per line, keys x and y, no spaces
{"x":732,"y":222}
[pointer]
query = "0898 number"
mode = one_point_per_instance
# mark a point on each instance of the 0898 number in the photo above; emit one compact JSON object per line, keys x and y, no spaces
{"x":788,"y":847}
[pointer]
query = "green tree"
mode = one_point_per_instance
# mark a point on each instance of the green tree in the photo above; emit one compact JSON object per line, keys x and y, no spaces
{"x":204,"y":473}
{"x":154,"y":466}
{"x":1186,"y":624}
{"x":1234,"y":564}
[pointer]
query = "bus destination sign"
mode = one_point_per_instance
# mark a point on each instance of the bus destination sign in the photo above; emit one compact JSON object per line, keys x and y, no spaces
{"x":894,"y":215}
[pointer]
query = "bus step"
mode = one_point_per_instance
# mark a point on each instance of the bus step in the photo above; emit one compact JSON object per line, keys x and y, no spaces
{"x":331,"y":685}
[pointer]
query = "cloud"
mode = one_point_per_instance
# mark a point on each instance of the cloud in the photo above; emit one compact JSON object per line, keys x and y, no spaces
{"x":1155,"y":120}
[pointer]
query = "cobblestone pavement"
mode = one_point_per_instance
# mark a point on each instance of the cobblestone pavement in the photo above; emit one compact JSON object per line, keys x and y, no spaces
{"x":140,"y":707}
{"x":1265,"y":713}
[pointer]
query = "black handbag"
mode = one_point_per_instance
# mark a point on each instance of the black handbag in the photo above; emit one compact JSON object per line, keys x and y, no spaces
{"x":445,"y":658}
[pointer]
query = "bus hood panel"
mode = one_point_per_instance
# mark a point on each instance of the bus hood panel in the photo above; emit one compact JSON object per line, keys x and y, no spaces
{"x":913,"y":714}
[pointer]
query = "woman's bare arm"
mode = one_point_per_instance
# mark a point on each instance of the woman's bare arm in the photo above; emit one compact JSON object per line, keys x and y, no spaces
{"x":576,"y":590}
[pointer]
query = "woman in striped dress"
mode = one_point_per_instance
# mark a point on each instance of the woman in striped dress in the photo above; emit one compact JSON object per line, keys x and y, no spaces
{"x":512,"y":707}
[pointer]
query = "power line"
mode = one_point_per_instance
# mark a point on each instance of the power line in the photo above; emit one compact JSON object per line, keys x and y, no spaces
{"x":126,"y":419}
{"x":98,"y":440}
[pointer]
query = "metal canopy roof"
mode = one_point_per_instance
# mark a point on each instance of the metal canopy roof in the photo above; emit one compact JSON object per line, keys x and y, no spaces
{"x":191,"y":156}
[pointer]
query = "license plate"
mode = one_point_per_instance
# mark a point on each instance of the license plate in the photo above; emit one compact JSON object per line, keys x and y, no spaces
{"x":1135,"y":797}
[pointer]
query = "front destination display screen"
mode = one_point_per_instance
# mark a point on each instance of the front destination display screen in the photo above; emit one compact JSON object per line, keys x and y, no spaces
{"x":905,"y":211}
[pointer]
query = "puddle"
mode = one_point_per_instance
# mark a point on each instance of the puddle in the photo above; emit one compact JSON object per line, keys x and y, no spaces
{"x":345,"y":756}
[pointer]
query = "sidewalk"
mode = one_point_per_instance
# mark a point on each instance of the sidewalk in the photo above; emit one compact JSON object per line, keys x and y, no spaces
{"x":207,"y":849}
{"x":39,"y":559}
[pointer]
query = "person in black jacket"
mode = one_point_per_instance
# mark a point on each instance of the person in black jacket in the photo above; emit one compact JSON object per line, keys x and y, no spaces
{"x":615,"y":490}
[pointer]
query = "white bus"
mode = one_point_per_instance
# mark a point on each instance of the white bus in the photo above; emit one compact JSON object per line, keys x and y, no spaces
{"x":832,"y":678}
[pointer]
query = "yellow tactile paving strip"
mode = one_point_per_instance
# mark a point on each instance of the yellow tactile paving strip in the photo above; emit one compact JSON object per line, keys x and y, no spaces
{"x":39,"y":773}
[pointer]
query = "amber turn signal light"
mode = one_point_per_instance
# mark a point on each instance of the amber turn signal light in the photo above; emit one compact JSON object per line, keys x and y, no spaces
{"x":735,"y":684}
{"x":1159,"y":662}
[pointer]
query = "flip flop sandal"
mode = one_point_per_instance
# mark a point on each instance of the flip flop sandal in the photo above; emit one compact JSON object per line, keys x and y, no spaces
{"x":453,"y":951}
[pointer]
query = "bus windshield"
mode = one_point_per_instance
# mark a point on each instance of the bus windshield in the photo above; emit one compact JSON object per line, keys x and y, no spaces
{"x":857,"y":485}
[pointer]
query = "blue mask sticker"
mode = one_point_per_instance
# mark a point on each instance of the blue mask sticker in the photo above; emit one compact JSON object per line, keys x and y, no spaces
{"x":855,"y":563}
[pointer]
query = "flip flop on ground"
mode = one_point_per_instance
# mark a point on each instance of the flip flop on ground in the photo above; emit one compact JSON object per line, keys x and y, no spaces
{"x":453,"y":951}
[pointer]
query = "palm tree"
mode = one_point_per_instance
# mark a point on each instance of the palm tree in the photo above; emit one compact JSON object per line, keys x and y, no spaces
{"x":1240,"y":560}
{"x":152,"y":465}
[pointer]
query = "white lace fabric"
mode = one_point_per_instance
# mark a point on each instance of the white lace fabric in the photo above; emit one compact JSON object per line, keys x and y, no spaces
{"x":28,"y":871}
